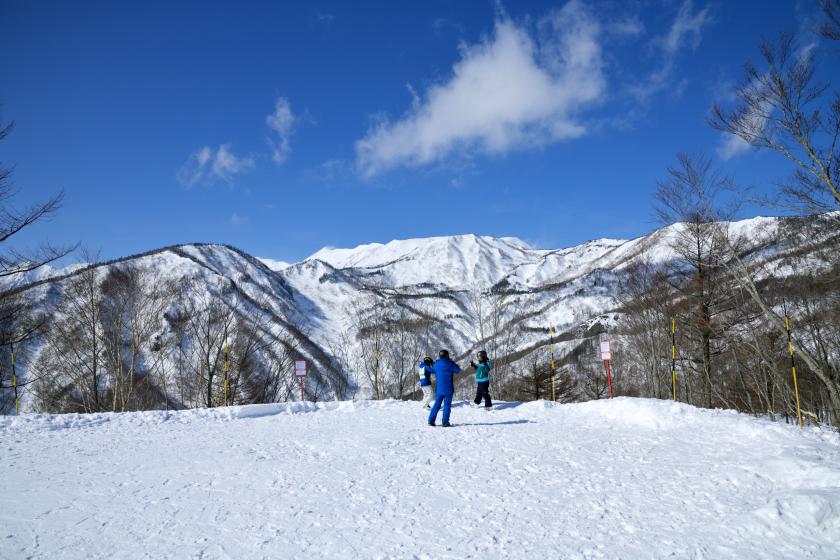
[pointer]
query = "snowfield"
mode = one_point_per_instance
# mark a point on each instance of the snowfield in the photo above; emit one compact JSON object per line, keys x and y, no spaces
{"x":629,"y":478}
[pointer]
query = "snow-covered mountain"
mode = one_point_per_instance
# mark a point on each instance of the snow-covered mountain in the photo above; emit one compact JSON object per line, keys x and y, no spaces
{"x":319,"y":306}
{"x":565,"y":288}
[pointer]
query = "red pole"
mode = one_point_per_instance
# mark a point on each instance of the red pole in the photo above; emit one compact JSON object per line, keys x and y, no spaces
{"x":609,"y":376}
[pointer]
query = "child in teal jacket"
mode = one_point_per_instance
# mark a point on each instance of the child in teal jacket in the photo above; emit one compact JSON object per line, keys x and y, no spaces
{"x":482,"y":379}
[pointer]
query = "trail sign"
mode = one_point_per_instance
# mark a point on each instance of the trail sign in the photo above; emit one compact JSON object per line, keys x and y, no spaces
{"x":605,"y":356}
{"x":300,"y":372}
{"x":605,"y":350}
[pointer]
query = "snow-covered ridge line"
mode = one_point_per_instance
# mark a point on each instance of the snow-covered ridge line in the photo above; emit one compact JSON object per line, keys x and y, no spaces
{"x":57,"y":275}
{"x":315,"y":308}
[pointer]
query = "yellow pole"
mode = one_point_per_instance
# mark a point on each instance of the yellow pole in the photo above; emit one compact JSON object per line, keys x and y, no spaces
{"x":793,"y":368}
{"x":227,"y":369}
{"x":551,"y":345}
{"x":14,"y":380}
{"x":674,"y":358}
{"x":376,"y":350}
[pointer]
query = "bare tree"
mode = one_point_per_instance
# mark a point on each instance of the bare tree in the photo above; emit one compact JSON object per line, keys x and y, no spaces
{"x":535,"y":384}
{"x":70,"y":368}
{"x":209,"y":328}
{"x":830,"y":28}
{"x":13,"y":221}
{"x":594,"y":381}
{"x":477,"y":304}
{"x":406,"y":334}
{"x":782,"y":108}
{"x":133,"y":300}
{"x":644,"y":294}
{"x":19,"y":320}
{"x":690,"y":198}
{"x":369,"y":318}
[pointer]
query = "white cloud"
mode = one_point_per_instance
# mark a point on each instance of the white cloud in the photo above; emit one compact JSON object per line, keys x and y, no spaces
{"x":510,"y":91}
{"x":685,"y":32}
{"x":282,"y":122}
{"x":208,"y":165}
{"x":226,"y":165}
{"x":731,"y":146}
{"x":237,"y":220}
{"x":687,"y":27}
{"x":752,"y":121}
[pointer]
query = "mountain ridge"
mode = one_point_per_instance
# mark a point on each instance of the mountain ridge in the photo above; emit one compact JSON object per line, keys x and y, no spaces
{"x":327,"y":307}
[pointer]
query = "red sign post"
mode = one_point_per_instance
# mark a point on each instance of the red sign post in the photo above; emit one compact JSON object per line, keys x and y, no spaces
{"x":300,"y":372}
{"x":606,"y":355}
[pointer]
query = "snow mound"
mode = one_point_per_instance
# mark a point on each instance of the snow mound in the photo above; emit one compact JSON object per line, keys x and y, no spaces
{"x":627,"y":478}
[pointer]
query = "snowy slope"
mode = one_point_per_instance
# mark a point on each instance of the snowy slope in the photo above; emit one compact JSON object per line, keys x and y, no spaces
{"x":567,"y":288}
{"x":629,"y":478}
{"x":457,"y":261}
{"x":275,"y":265}
{"x":242,"y":282}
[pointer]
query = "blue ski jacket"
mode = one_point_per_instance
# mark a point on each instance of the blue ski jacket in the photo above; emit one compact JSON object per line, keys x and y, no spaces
{"x":425,"y":373}
{"x":445,"y":370}
{"x":482,"y":372}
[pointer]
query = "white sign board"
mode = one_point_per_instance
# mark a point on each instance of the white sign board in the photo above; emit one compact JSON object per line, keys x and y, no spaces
{"x":300,"y":368}
{"x":605,"y":350}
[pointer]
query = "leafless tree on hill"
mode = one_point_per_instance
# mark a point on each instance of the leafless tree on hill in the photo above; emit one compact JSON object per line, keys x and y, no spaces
{"x":71,"y":369}
{"x":783,"y":108}
{"x":19,"y":321}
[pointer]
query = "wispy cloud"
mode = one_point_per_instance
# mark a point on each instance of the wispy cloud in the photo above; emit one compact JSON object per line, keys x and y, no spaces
{"x":754,"y":117}
{"x":442,"y":25}
{"x":687,"y":28}
{"x":627,"y":27}
{"x":282,"y":122}
{"x":207,"y":165}
{"x":731,"y":146}
{"x":237,"y":220}
{"x":324,"y":19}
{"x":686,"y":32}
{"x":510,"y":91}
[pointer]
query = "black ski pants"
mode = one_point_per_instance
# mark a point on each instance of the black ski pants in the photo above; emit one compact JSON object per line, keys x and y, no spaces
{"x":483,"y":391}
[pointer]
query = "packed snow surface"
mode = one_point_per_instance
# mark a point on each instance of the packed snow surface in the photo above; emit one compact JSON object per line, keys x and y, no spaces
{"x":628,"y":478}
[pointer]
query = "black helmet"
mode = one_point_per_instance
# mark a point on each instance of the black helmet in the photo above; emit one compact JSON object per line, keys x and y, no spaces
{"x":428,"y":361}
{"x":482,"y":354}
{"x":444,"y":354}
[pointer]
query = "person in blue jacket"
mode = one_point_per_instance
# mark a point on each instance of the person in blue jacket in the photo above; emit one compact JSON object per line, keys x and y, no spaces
{"x":482,"y":380}
{"x":425,"y":371}
{"x":445,"y":370}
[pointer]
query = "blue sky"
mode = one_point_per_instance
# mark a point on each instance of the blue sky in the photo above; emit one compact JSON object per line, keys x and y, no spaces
{"x":284,"y":128}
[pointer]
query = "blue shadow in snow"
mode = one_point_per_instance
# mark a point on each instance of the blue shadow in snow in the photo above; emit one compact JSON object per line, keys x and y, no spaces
{"x":496,"y":406}
{"x":497,"y":423}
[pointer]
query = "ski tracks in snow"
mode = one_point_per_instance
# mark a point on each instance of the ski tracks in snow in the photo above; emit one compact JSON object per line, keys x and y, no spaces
{"x":630,"y":478}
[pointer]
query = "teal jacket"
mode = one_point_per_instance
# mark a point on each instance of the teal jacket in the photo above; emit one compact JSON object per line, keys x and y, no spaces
{"x":482,"y":372}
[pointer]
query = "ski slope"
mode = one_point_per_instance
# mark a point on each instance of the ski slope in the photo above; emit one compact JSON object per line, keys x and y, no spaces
{"x":629,"y":478}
